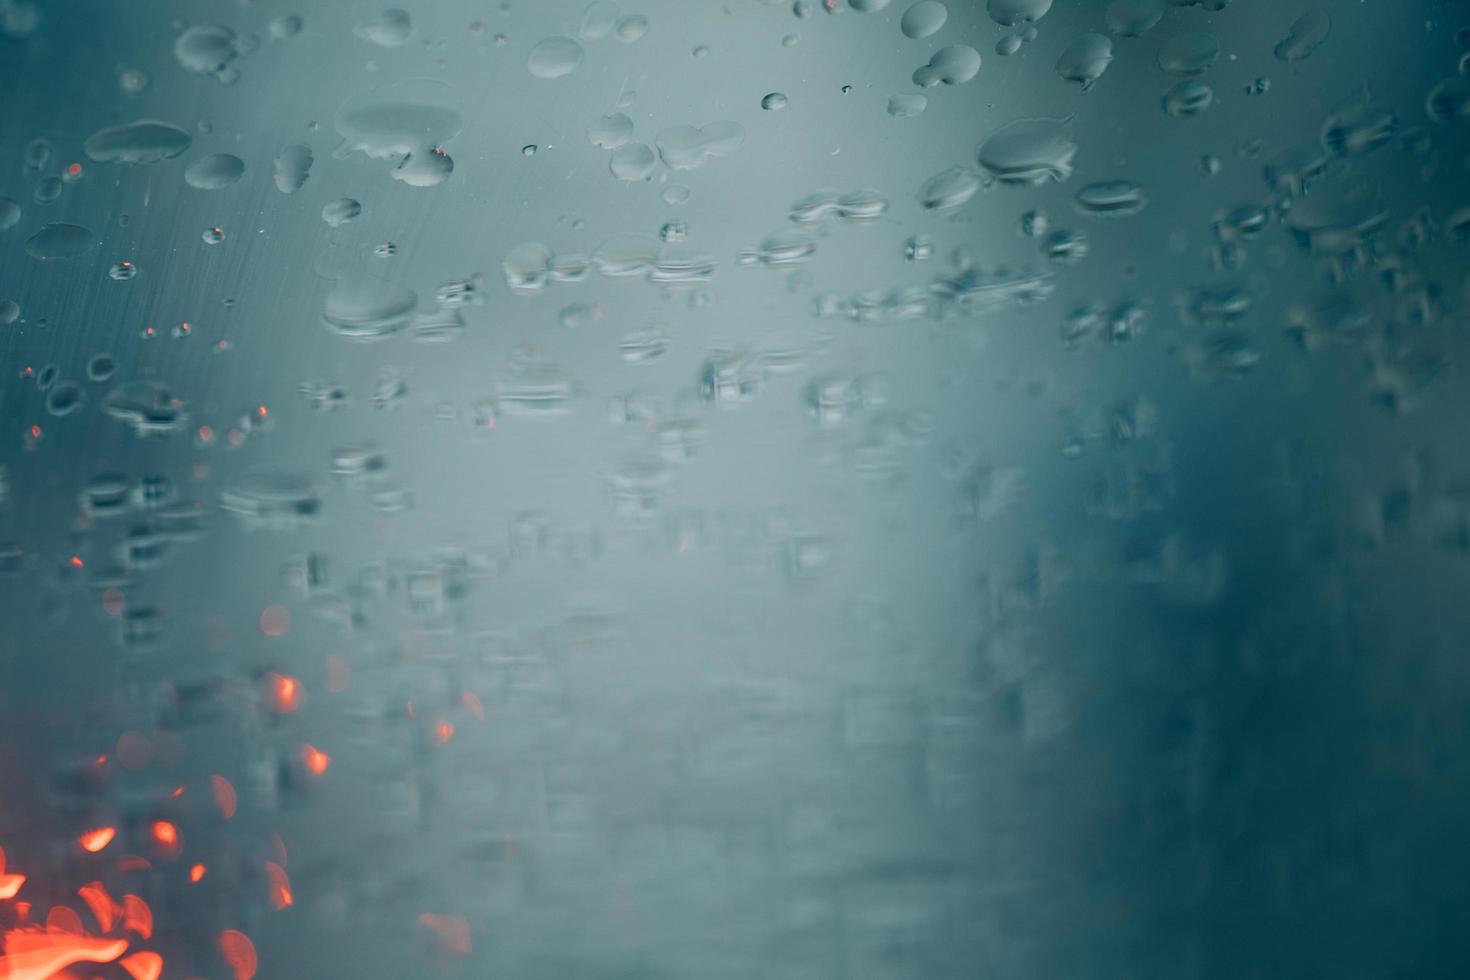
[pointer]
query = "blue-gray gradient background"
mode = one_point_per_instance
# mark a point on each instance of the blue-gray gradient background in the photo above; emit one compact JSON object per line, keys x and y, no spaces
{"x":1036,"y":652}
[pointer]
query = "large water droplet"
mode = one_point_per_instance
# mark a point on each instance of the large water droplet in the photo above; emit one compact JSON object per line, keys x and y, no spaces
{"x":1131,"y":18}
{"x":633,"y":161}
{"x":340,"y":211}
{"x":554,"y":57}
{"x":389,"y":29}
{"x":293,"y":165}
{"x":923,"y":19}
{"x":1306,"y":35}
{"x":1010,"y":12}
{"x":215,"y":171}
{"x":1029,"y":151}
{"x":60,"y":241}
{"x":145,"y":141}
{"x":368,"y":308}
{"x":1085,"y":59}
{"x":953,"y":65}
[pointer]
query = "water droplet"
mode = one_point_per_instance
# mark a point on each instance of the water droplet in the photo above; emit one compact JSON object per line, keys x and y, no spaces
{"x":132,"y":81}
{"x":216,"y":171}
{"x":9,"y":213}
{"x":287,"y":26}
{"x":1085,"y":59}
{"x":209,"y":49}
{"x":953,"y":65}
{"x":790,"y":40}
{"x":644,"y":346}
{"x":337,"y":213}
{"x":907,"y":105}
{"x":598,"y":20}
{"x":123,"y":271}
{"x":1065,"y":246}
{"x":147,"y":407}
{"x":60,"y":241}
{"x":554,"y":57}
{"x":293,"y":166}
{"x":687,"y":147}
{"x":386,"y":250}
{"x":611,"y":132}
{"x":144,"y":141}
{"x":407,"y":122}
{"x":213,"y":236}
{"x":1008,"y":45}
{"x":773,"y":101}
{"x":101,"y":367}
{"x":1133,"y":18}
{"x":1306,"y":35}
{"x":923,"y":19}
{"x":1188,"y":98}
{"x":272,"y":499}
{"x":529,"y":150}
{"x":1189,"y":54}
{"x":389,"y":29}
{"x":949,"y":189}
{"x":48,"y":189}
{"x":1111,"y":197}
{"x":700,"y":51}
{"x":1029,"y":151}
{"x":1449,"y":100}
{"x":64,"y":399}
{"x":632,"y":161}
{"x":675,"y":194}
{"x":9,"y":311}
{"x":632,"y":28}
{"x":368,"y":308}
{"x":37,"y":154}
{"x":918,"y":248}
{"x":1008,"y":13}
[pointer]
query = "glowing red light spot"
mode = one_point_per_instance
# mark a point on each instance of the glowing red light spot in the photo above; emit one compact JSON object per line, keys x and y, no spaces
{"x":283,"y":693}
{"x":239,"y":953}
{"x":75,"y":561}
{"x":137,"y":916}
{"x":196,"y":873}
{"x":143,"y":965}
{"x":74,"y":169}
{"x":31,"y":955}
{"x":444,"y":731}
{"x":104,"y":909}
{"x":10,"y":885}
{"x":35,"y":432}
{"x":315,"y":760}
{"x":63,"y":919}
{"x":206,"y":434}
{"x":95,"y":840}
{"x":280,"y":886}
{"x":166,"y":836}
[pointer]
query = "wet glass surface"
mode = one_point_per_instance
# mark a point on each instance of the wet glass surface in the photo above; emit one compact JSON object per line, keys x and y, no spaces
{"x":833,"y":489}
